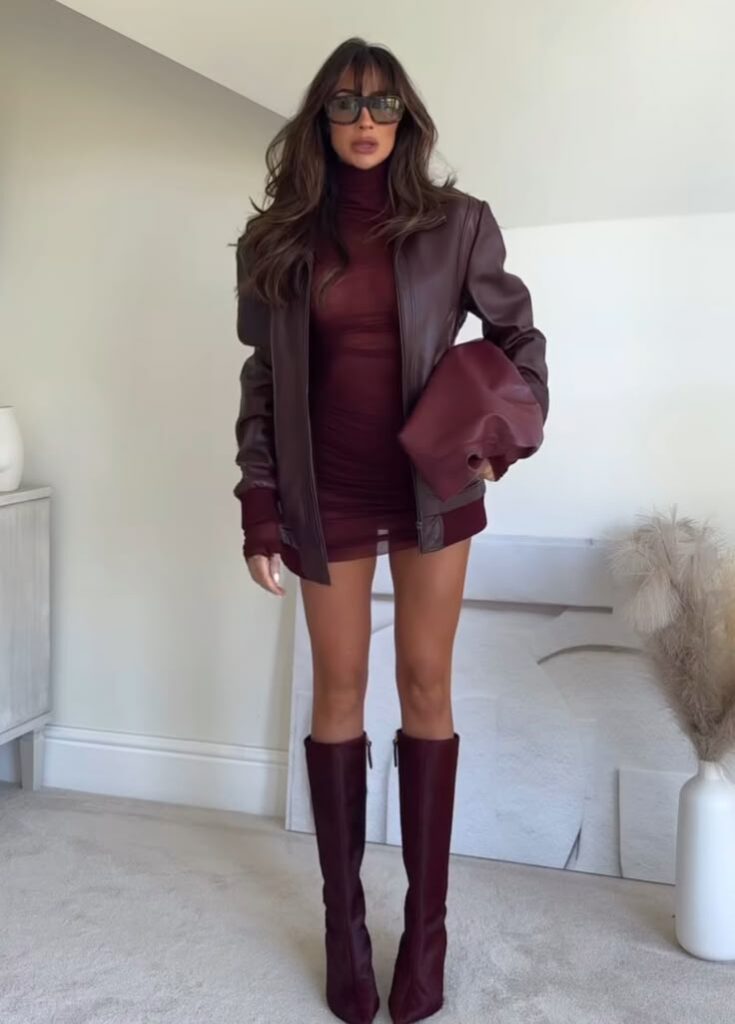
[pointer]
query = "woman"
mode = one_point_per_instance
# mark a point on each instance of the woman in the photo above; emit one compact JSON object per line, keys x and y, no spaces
{"x":351,"y":284}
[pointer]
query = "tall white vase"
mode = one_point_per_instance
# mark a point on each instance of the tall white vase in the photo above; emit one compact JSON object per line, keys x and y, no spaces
{"x":705,"y":864}
{"x":11,"y":450}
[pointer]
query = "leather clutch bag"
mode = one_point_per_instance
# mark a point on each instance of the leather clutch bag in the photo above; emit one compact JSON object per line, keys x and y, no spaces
{"x":475,"y":403}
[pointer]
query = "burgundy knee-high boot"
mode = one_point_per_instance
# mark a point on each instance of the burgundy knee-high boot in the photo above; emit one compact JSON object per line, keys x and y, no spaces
{"x":338,"y":782}
{"x":426,"y":772}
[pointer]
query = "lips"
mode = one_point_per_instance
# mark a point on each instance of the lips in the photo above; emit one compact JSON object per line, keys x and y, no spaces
{"x":364,"y":147}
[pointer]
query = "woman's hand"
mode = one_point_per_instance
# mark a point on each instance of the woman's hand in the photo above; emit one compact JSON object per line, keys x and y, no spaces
{"x":266,"y":572}
{"x":482,"y":467}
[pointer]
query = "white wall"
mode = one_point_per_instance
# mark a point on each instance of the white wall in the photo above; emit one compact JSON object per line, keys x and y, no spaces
{"x":640,"y":320}
{"x":554,"y":110}
{"x":125,"y":176}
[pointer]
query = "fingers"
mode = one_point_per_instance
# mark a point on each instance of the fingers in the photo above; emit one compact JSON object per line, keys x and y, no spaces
{"x":275,"y":571}
{"x":267,"y":572}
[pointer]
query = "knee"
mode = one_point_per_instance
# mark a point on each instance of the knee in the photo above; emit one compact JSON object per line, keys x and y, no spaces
{"x":423,"y":685}
{"x":340,"y":694}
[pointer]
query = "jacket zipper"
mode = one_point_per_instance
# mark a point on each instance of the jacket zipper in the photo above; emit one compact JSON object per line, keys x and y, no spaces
{"x":312,"y":477}
{"x":401,"y":331}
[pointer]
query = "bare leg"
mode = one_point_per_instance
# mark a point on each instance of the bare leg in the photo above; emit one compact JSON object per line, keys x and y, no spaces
{"x":338,"y":619}
{"x":428,"y":592}
{"x":428,"y":598}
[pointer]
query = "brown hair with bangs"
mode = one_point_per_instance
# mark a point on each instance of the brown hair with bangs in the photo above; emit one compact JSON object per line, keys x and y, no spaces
{"x":273,"y":250}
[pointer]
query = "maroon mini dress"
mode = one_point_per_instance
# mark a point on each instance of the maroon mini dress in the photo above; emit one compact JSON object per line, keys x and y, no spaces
{"x":364,"y":482}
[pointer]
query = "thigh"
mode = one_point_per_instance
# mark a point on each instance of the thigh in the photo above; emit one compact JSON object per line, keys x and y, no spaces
{"x":428,"y":592}
{"x":338,"y":617}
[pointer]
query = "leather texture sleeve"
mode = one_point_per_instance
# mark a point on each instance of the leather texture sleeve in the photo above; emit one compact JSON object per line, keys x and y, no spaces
{"x":503,"y":305}
{"x":254,"y":426}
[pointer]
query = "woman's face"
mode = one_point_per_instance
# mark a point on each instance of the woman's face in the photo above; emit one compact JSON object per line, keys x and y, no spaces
{"x":363,"y":144}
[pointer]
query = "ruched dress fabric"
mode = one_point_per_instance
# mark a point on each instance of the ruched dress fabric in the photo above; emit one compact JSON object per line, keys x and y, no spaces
{"x":364,"y":481}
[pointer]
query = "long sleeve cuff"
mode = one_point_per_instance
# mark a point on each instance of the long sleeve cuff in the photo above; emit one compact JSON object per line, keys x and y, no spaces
{"x":259,"y":505}
{"x":263,"y":539}
{"x":260,"y":522}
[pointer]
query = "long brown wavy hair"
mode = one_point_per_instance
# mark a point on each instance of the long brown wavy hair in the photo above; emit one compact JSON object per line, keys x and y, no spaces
{"x":273,"y":250}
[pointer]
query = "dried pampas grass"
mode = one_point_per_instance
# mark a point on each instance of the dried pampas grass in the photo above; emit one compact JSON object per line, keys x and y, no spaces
{"x":681,"y":602}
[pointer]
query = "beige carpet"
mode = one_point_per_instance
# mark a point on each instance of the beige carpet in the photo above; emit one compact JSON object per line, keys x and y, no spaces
{"x":133,"y":912}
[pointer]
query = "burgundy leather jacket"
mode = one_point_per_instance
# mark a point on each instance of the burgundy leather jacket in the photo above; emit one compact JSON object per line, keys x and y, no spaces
{"x":441,"y":274}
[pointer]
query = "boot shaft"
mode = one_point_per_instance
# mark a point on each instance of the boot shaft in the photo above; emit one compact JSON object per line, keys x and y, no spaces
{"x":338,"y":784}
{"x":427,"y":771}
{"x":427,"y":774}
{"x":337,"y":777}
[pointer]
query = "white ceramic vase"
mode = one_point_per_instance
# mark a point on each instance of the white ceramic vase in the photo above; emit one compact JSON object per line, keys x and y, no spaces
{"x":705,"y":864}
{"x":11,"y":450}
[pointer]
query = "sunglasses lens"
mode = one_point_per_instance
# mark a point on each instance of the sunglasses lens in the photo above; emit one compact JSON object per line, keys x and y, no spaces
{"x":343,"y":109}
{"x":386,"y":109}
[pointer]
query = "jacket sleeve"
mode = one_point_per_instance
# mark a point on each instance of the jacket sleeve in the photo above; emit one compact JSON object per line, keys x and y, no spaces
{"x":503,"y":304}
{"x":257,"y":489}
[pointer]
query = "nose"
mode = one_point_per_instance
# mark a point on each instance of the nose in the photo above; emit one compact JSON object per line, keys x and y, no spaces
{"x":365,"y":118}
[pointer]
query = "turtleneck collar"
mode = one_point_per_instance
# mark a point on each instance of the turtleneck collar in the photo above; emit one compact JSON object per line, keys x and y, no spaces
{"x":362,"y":189}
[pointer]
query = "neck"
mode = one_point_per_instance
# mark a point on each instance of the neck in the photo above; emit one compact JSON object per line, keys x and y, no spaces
{"x":359,"y":188}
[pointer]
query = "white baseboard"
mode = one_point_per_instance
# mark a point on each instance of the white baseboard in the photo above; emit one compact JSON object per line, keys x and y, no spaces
{"x":177,"y":771}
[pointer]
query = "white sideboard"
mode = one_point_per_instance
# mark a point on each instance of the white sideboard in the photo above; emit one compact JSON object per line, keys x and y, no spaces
{"x":25,"y":679}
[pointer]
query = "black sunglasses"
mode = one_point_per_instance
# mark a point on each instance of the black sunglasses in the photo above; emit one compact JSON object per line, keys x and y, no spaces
{"x":346,"y":109}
